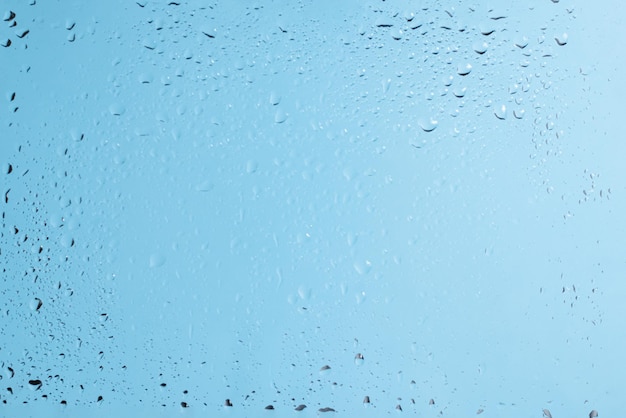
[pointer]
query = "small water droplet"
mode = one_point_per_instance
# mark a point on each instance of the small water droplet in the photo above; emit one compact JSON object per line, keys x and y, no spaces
{"x":386,"y":83}
{"x":9,"y":16}
{"x":116,"y":109}
{"x":362,"y":267}
{"x":500,"y":112}
{"x":522,"y":42}
{"x":486,"y":29}
{"x":35,"y":384}
{"x":427,"y":125}
{"x":274,"y":98}
{"x":464,"y":69}
{"x":36,"y":304}
{"x":359,"y":359}
{"x":156,"y":260}
{"x":480,"y":47}
{"x":280,"y":116}
{"x":251,"y":166}
{"x":561,"y":40}
{"x":460,"y":92}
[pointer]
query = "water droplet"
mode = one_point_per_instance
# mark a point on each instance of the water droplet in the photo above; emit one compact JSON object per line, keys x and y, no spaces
{"x":116,"y":109}
{"x":522,"y":42}
{"x":9,"y":16}
{"x":67,"y":241}
{"x":427,"y":125}
{"x":486,"y":29}
{"x":360,"y":297}
{"x":274,"y":98}
{"x":352,"y":238}
{"x":500,"y":112}
{"x":362,"y":267}
{"x":156,"y":260}
{"x":280,"y":116}
{"x":36,"y":304}
{"x":386,"y":83}
{"x":144,"y":78}
{"x":205,"y":186}
{"x":35,"y":384}
{"x":251,"y":166}
{"x":460,"y":92}
{"x":561,"y":40}
{"x":359,"y":359}
{"x":464,"y":70}
{"x":77,"y":135}
{"x":304,"y":293}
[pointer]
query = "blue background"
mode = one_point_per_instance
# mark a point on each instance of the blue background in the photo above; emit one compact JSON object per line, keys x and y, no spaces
{"x":225,"y":197}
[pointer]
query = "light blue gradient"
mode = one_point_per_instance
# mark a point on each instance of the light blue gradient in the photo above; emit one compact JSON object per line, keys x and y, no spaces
{"x":225,"y":197}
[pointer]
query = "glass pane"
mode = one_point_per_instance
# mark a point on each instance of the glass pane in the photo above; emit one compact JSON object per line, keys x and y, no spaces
{"x":298,"y":208}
